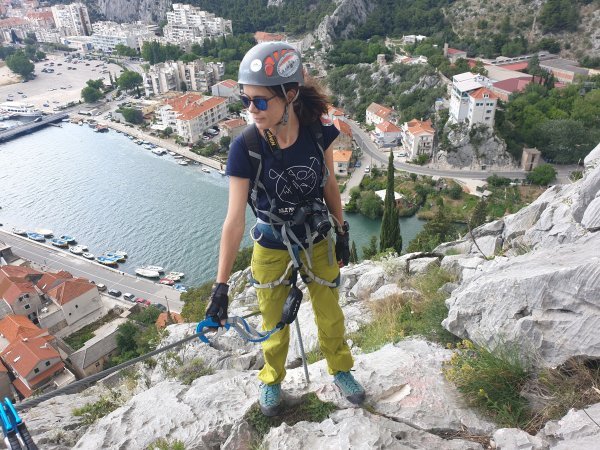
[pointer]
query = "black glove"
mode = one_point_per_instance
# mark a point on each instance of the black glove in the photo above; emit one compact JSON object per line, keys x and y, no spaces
{"x":219,"y":301}
{"x":342,"y":243}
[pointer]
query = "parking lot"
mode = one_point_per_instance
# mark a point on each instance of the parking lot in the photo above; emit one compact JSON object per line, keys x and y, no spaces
{"x":60,"y":87}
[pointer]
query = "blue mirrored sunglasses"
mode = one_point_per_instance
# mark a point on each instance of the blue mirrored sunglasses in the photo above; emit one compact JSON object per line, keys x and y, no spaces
{"x":261,"y":103}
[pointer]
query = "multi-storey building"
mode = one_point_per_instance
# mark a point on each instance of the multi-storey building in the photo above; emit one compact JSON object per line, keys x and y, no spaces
{"x":417,"y":138}
{"x":462,"y":85}
{"x":72,"y":19}
{"x":229,"y":89}
{"x":187,"y":23}
{"x":482,"y":107}
{"x":107,"y":35}
{"x":377,"y":113}
{"x":191,"y":114}
{"x":14,"y":27}
{"x":179,"y":76}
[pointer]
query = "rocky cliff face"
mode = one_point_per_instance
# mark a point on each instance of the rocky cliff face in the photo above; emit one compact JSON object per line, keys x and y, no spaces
{"x":343,"y":21}
{"x":148,"y":11}
{"x":530,"y":279}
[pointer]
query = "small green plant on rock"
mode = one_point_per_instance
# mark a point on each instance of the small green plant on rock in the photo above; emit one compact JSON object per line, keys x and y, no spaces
{"x":192,"y":370}
{"x":91,"y":412}
{"x":163,"y":444}
{"x":310,"y":409}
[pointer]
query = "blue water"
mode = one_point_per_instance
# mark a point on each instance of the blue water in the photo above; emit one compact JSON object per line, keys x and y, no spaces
{"x":111,"y":194}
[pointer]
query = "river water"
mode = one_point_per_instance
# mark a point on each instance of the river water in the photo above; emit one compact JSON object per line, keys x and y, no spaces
{"x":111,"y":194}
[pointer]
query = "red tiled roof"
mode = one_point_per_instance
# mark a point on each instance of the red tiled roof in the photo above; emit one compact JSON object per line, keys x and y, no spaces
{"x":380,"y":111}
{"x":513,"y":84}
{"x":192,"y":105}
{"x":43,"y":15}
{"x":161,"y":321}
{"x":342,"y":155}
{"x":514,"y":66}
{"x":481,"y":93}
{"x":15,"y":289}
{"x":416,"y":127}
{"x":387,"y":127}
{"x":13,"y":327}
{"x":454,"y":51}
{"x":332,"y":110}
{"x":24,"y":354}
{"x":343,"y":127}
{"x":228,"y":83}
{"x":22,"y":388}
{"x":69,"y":290}
{"x":13,"y":22}
{"x":18,"y":271}
{"x":262,"y":36}
{"x":234,"y":123}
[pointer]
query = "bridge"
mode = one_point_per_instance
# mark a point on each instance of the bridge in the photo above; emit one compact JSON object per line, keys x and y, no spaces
{"x":30,"y":127}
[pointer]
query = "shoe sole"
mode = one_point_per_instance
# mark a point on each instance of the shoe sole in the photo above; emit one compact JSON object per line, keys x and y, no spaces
{"x":356,"y":399}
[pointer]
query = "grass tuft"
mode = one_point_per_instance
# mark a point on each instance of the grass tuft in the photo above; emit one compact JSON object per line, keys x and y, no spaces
{"x":163,"y":444}
{"x":397,"y":317}
{"x":310,"y":409}
{"x":91,"y":412}
{"x":192,"y":370}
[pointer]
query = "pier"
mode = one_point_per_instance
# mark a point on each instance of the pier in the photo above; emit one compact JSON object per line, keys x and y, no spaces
{"x":12,"y":133}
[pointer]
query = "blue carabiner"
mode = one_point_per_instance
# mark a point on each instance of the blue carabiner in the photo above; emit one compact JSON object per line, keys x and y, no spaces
{"x":209,"y":323}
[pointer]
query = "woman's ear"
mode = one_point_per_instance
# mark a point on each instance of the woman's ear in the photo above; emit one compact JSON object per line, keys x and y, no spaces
{"x":292,"y":95}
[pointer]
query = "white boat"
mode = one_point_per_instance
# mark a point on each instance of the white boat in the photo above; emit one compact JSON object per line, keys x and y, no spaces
{"x":159,"y":151}
{"x":45,"y":232}
{"x":172,"y":153}
{"x":20,"y":109}
{"x":182,"y":163}
{"x":121,"y":253}
{"x":177,"y":274}
{"x":19,"y":231}
{"x":145,"y":272}
{"x":155,"y":268}
{"x":177,"y":156}
{"x":87,"y":255}
{"x":222,"y":172}
{"x":77,"y":250}
{"x":205,"y":170}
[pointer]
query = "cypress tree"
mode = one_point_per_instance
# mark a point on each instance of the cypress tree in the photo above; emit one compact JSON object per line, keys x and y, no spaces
{"x":479,"y":215}
{"x":390,"y":236}
{"x":353,"y":253}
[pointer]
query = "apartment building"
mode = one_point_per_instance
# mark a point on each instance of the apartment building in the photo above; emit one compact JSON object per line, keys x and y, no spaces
{"x":229,"y":89}
{"x":72,"y":19}
{"x":191,"y":114}
{"x":178,"y":76}
{"x":417,"y":138}
{"x":107,"y":35}
{"x":187,"y":23}
{"x":377,"y":113}
{"x":482,"y":107}
{"x":463,"y":85}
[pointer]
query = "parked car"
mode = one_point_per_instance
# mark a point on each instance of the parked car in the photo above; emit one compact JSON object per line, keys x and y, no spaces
{"x":367,"y":169}
{"x":101,"y":287}
{"x":143,"y":302}
{"x":128,"y":296}
{"x":357,"y":164}
{"x":160,"y":306}
{"x":114,"y":292}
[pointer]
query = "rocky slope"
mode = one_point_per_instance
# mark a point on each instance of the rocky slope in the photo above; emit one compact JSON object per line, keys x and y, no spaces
{"x":536,"y":288}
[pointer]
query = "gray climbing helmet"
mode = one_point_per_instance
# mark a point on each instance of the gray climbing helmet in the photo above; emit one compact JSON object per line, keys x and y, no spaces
{"x":271,"y":64}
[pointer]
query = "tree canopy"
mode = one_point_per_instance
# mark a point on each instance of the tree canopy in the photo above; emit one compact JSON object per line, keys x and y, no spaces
{"x":129,"y":80}
{"x":90,"y":94}
{"x":542,"y":175}
{"x":20,"y":64}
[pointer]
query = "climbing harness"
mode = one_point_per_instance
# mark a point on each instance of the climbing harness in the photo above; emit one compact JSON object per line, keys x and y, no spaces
{"x":16,"y":435}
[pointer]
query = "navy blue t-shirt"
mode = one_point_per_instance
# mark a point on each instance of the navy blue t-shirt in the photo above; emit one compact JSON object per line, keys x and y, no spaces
{"x":301,"y":162}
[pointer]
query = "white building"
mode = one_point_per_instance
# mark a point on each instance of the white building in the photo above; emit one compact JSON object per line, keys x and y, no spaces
{"x":72,"y":19}
{"x":187,"y":23}
{"x":386,"y":134}
{"x":376,"y":114}
{"x":482,"y":107}
{"x":417,"y":138}
{"x":462,"y":85}
{"x":47,"y":35}
{"x":191,"y":114}
{"x":229,"y":89}
{"x":107,"y":35}
{"x":168,"y":76}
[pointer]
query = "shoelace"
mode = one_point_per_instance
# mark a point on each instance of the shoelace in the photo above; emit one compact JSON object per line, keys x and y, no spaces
{"x":348,"y":382}
{"x":270,"y":394}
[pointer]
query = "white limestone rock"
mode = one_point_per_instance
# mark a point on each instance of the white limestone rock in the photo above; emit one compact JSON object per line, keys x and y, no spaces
{"x":422,"y":265}
{"x":592,"y":160}
{"x":461,"y":246}
{"x":404,"y":382}
{"x":545,"y":302}
{"x":488,"y":245}
{"x":358,"y":429}
{"x":367,"y":283}
{"x":201,"y":415}
{"x":494,"y":228}
{"x":392,"y":290}
{"x":516,"y":439}
{"x":517,"y":224}
{"x":462,"y":267}
{"x":575,"y":431}
{"x":591,"y":217}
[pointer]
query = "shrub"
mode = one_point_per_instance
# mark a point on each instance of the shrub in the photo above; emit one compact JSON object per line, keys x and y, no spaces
{"x":194,"y":369}
{"x":163,"y":444}
{"x":91,"y":412}
{"x":542,"y":175}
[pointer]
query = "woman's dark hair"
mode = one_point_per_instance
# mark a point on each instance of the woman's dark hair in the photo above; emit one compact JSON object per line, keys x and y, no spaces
{"x":311,"y":103}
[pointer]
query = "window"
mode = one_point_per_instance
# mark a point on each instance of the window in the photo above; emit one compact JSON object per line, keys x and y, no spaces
{"x":76,"y":306}
{"x":47,"y":363}
{"x":36,"y":370}
{"x":27,"y":306}
{"x":489,"y":111}
{"x":487,"y":118}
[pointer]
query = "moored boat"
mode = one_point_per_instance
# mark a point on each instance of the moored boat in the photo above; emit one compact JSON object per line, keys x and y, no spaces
{"x":177,"y":274}
{"x":57,"y":242}
{"x":19,"y":231}
{"x":180,"y":288}
{"x":182,"y":163}
{"x":77,"y":249}
{"x":45,"y":232}
{"x":145,"y":272}
{"x":205,"y":169}
{"x":36,"y":236}
{"x":106,"y":260}
{"x":121,"y":253}
{"x":172,"y":153}
{"x":222,"y":172}
{"x":101,"y":128}
{"x":166,"y":281}
{"x":116,"y":256}
{"x":155,"y":268}
{"x":88,"y":255}
{"x":69,"y":239}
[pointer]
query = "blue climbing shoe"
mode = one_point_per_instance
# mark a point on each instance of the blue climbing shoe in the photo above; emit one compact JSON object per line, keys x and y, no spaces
{"x":270,"y":399}
{"x":351,"y":389}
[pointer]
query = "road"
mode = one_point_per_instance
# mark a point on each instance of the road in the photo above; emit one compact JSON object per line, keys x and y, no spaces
{"x":369,"y":148}
{"x":54,"y":259}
